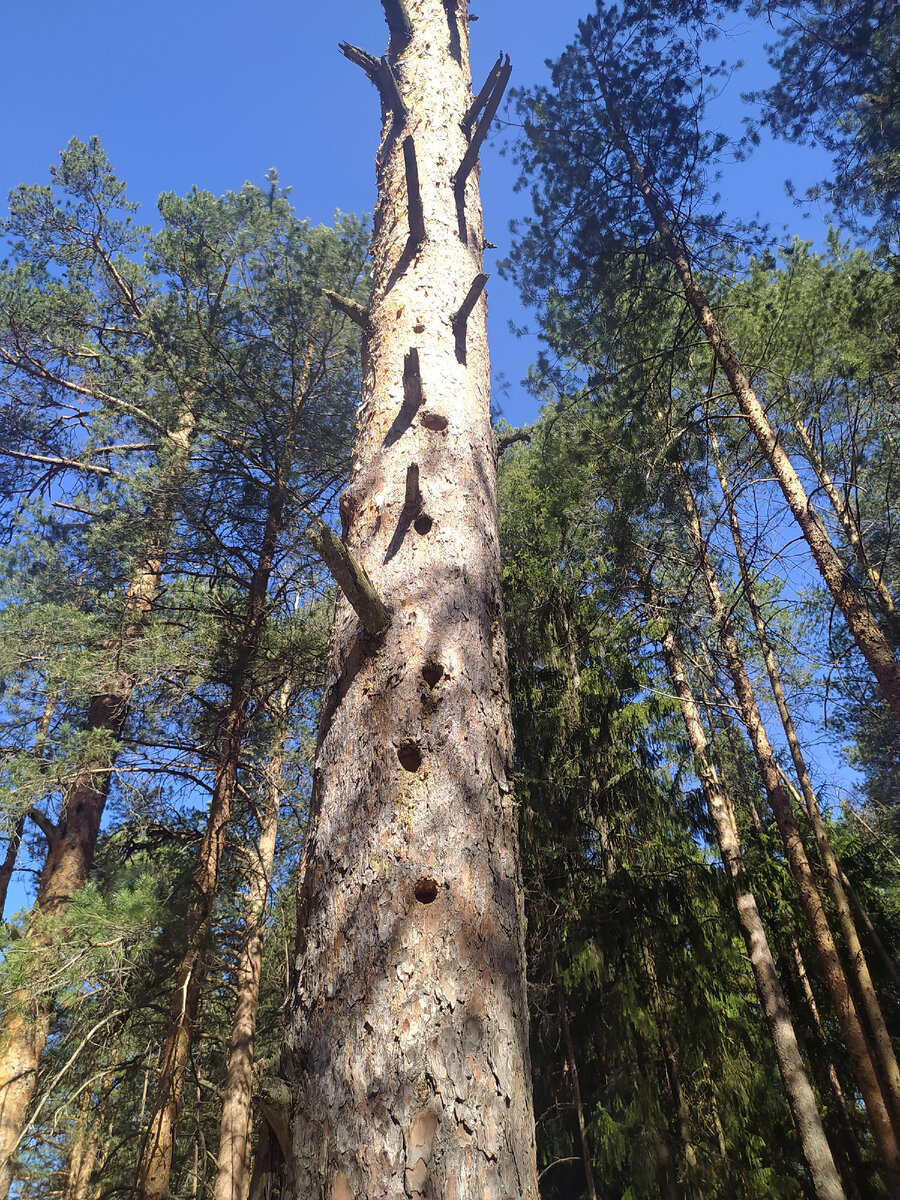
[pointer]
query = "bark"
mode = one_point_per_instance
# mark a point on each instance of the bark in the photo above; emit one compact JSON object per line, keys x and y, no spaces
{"x":409,"y":1026}
{"x":156,"y":1161}
{"x":86,"y":1141}
{"x":9,"y":862}
{"x":863,"y":627}
{"x":70,"y":853}
{"x":799,"y":1092}
{"x":234,"y":1134}
{"x":810,"y":899}
{"x":846,"y":1134}
{"x":884,"y":1051}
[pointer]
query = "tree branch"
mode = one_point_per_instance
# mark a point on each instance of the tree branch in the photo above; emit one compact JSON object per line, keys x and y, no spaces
{"x":461,"y":316}
{"x":351,"y":577}
{"x":492,"y":104}
{"x":44,"y":824}
{"x":357,"y":312}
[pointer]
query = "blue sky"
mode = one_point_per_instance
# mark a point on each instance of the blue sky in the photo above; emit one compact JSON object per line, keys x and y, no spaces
{"x":192,"y":92}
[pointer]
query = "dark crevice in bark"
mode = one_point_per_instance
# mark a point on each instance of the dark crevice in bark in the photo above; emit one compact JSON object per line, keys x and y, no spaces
{"x":414,"y":206}
{"x":412,"y":507}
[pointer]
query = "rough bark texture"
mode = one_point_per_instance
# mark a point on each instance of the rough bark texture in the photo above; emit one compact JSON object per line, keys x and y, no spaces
{"x":884,"y":1050}
{"x":409,"y":1025}
{"x":807,"y":888}
{"x":816,"y":1151}
{"x":234,"y":1134}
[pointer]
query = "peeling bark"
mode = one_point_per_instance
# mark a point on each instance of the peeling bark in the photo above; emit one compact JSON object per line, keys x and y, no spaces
{"x":408,"y":1035}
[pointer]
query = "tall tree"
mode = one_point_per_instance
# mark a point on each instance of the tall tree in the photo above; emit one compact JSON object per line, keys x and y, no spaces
{"x":409,"y":1024}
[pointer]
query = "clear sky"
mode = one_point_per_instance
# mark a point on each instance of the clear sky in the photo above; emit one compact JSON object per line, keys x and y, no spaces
{"x":185,"y":92}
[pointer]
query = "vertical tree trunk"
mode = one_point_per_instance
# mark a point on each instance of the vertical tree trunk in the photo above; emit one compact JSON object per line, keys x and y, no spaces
{"x":409,"y":1031}
{"x":810,"y":899}
{"x":884,"y":1050}
{"x":801,"y":1098}
{"x":673,"y":1074}
{"x":572,"y":1061}
{"x":155,"y":1166}
{"x":9,"y":862}
{"x":863,"y":627}
{"x":234,"y":1133}
{"x":851,"y":530}
{"x":86,"y":1141}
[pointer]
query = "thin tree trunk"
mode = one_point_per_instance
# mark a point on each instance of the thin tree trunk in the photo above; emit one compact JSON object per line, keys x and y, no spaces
{"x":849,"y":526}
{"x":810,"y":899}
{"x":563,"y":1010}
{"x":234,"y":1133}
{"x":863,"y":627}
{"x":887,"y":960}
{"x":25,"y":1024}
{"x":884,"y":1050}
{"x":155,"y":1166}
{"x":86,"y":1141}
{"x":409,"y":1031}
{"x":799,"y":1092}
{"x":673,"y":1074}
{"x":15,"y":841}
{"x":9,"y":862}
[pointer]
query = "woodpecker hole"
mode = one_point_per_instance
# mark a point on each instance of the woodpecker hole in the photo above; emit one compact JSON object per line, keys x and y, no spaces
{"x":434,"y":421}
{"x":426,"y":891}
{"x":423,"y":524}
{"x":432,"y":673}
{"x":410,"y":756}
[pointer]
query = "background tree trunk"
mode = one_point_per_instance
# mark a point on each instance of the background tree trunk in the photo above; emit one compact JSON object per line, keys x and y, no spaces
{"x":409,"y":1027}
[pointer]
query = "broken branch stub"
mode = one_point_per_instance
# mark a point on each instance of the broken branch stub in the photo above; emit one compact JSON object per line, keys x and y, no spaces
{"x":358,"y":313}
{"x":461,"y":316}
{"x":481,"y":99}
{"x":352,"y":578}
{"x":398,"y":23}
{"x":484,"y":124}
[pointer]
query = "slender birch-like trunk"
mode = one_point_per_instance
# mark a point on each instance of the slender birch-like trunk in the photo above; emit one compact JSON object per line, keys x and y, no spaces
{"x":884,"y":1050}
{"x":807,"y":888}
{"x":851,"y":529}
{"x":155,"y":1166}
{"x":409,"y":1030}
{"x":863,"y":627}
{"x":799,"y":1092}
{"x":234,"y":1132}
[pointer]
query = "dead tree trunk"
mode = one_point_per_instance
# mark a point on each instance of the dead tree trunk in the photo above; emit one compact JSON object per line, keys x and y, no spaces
{"x":234,"y":1134}
{"x":799,"y":1092}
{"x":409,"y":1026}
